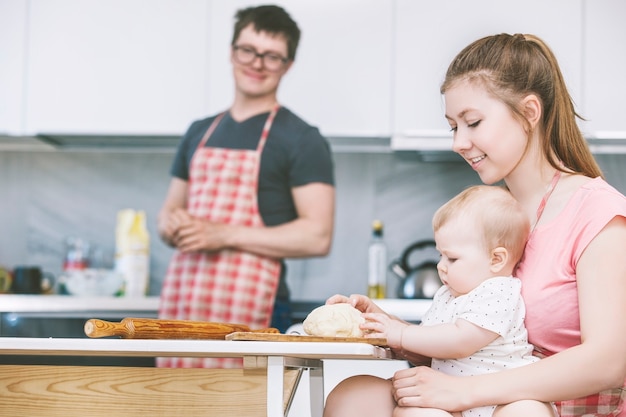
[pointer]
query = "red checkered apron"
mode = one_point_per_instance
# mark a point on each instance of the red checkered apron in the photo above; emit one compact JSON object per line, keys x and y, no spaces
{"x":608,"y":403}
{"x":226,"y":286}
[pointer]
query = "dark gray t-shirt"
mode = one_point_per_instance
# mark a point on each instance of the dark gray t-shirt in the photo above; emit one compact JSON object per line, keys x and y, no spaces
{"x":295,"y":154}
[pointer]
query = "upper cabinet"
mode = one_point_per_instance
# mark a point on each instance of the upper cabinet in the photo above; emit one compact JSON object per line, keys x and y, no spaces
{"x":12,"y":53}
{"x":430,"y":33}
{"x":604,"y":62}
{"x":341,"y":78}
{"x":364,"y":68}
{"x":116,"y":66}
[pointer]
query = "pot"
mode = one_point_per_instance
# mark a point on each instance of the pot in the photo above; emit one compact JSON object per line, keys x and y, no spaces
{"x":417,"y":280}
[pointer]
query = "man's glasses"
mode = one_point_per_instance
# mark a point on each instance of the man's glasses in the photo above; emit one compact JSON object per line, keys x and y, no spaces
{"x":246,"y":55}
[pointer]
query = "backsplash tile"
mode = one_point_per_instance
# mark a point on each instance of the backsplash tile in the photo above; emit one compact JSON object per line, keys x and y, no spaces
{"x":48,"y":196}
{"x":61,"y":194}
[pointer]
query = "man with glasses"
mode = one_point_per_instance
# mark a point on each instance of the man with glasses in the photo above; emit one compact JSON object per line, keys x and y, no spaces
{"x":251,"y":186}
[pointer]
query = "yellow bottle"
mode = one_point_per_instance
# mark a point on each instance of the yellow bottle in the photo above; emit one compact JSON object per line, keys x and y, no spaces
{"x":132,"y":251}
{"x":377,"y":263}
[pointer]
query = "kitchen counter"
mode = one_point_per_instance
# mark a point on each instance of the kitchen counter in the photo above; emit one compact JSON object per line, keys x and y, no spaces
{"x":411,"y":310}
{"x":10,"y":303}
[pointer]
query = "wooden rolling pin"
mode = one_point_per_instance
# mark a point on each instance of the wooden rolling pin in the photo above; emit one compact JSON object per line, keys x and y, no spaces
{"x":136,"y":328}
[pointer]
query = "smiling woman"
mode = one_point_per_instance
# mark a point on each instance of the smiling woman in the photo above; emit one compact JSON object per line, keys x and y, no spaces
{"x":514,"y":121}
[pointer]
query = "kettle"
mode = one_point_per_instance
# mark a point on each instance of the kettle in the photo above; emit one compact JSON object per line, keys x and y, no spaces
{"x":416,"y":281}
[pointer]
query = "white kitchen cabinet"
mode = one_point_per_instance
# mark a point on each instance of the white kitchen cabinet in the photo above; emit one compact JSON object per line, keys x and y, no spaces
{"x":341,"y":78}
{"x":430,"y":33}
{"x":604,"y":61}
{"x":117,"y":66}
{"x":12,"y":47}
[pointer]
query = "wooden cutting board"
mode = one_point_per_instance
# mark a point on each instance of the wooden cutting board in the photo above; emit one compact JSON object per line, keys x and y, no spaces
{"x":274,"y":337}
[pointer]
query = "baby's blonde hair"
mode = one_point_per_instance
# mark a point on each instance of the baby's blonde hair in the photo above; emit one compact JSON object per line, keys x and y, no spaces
{"x":494,"y":212}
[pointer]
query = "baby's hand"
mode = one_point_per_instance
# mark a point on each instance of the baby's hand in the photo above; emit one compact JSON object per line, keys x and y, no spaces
{"x":361,"y":302}
{"x":381,"y":325}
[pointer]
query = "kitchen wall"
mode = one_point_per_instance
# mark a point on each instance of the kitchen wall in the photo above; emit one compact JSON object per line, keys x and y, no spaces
{"x":49,"y":195}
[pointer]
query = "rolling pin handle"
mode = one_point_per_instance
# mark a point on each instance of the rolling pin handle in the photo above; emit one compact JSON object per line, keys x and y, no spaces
{"x":101,"y":328}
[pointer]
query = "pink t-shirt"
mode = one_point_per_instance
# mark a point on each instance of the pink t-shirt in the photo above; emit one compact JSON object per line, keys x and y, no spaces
{"x":548,"y":268}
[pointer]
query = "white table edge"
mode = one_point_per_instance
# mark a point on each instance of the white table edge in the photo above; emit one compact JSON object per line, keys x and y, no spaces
{"x":189,"y":348}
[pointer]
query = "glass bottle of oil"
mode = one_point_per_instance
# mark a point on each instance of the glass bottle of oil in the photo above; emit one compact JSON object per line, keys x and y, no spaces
{"x":377,"y":265}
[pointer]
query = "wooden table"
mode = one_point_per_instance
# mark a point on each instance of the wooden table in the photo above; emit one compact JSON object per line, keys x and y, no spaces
{"x":268,"y":380}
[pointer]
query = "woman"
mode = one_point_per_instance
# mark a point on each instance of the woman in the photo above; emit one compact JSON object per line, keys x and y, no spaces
{"x":513,"y":120}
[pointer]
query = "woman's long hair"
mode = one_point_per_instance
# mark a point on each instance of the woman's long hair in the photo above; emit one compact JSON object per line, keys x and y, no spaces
{"x":514,"y":66}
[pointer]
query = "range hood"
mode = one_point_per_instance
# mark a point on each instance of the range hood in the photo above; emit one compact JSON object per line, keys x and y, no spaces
{"x":87,"y":142}
{"x":613,"y":142}
{"x":439,"y":142}
{"x":340,"y":144}
{"x":426,"y":146}
{"x":67,"y":141}
{"x":435,"y":145}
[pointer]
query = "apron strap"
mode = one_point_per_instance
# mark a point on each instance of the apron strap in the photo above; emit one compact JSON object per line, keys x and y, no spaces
{"x":266,"y":128}
{"x":210,"y":130}
{"x":264,"y":134}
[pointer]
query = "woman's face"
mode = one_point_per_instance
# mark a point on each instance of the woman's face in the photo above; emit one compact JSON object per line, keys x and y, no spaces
{"x":486,"y":134}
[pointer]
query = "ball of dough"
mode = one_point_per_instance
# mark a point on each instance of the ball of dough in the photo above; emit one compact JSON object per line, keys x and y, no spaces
{"x":334,"y":320}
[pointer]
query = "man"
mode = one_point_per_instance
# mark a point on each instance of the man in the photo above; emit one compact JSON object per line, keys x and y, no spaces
{"x":250,"y":187}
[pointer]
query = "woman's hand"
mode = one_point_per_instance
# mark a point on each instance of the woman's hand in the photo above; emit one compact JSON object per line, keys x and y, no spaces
{"x":424,"y":387}
{"x":358,"y":301}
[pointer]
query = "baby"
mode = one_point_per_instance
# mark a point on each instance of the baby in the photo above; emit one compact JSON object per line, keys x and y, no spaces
{"x":475,"y":324}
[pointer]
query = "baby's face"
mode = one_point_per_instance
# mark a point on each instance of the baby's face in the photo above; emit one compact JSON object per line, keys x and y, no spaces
{"x":464,"y":262}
